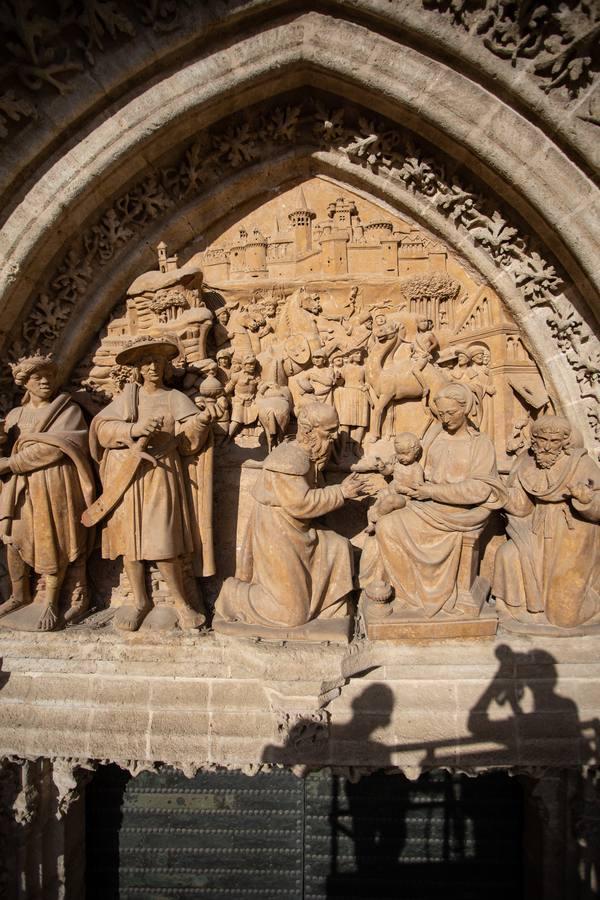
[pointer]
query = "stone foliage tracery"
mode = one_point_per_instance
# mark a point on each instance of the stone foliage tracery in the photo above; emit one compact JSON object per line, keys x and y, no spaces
{"x":46,"y":48}
{"x":385,"y":150}
{"x":557,"y":42}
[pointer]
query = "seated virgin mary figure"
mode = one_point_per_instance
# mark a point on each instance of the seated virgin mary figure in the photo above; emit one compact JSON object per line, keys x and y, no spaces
{"x":417,"y":550}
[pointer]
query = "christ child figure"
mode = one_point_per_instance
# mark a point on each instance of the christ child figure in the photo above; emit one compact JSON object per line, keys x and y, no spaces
{"x":407,"y":474}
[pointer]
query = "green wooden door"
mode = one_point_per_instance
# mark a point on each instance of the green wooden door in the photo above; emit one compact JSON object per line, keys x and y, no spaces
{"x":225,"y":835}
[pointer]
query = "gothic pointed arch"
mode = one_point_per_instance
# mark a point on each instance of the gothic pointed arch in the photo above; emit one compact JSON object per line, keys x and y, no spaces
{"x":173,"y":175}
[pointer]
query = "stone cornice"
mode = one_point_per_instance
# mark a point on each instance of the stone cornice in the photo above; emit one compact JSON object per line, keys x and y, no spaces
{"x":83,"y":698}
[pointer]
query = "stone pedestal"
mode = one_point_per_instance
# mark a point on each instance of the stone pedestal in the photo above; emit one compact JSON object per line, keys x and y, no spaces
{"x":337,"y":631}
{"x":403,"y":625}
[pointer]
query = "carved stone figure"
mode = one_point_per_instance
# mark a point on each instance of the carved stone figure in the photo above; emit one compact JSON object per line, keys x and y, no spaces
{"x":243,"y":387}
{"x":407,"y":475}
{"x":351,"y":399}
{"x":157,"y":489}
{"x":520,"y":438}
{"x":547,"y":576}
{"x":483,"y":386}
{"x":274,"y":403}
{"x":290,"y":570}
{"x":300,"y":318}
{"x":49,"y":485}
{"x":211,"y":396}
{"x":422,"y":549}
{"x":397,"y":380}
{"x":318,"y":382}
{"x":425,"y":344}
{"x":224,"y":359}
{"x":268,"y":307}
{"x":220,"y":333}
{"x":463,"y":371}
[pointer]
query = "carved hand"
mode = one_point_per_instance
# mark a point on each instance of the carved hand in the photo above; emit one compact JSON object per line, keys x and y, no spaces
{"x":383,"y":466}
{"x":581,"y":491}
{"x":355,"y":485}
{"x":421,"y":492}
{"x":147,"y":426}
{"x":203,"y":417}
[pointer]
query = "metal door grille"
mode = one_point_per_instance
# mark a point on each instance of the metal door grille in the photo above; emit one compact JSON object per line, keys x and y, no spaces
{"x":224,"y":835}
{"x":218,"y":836}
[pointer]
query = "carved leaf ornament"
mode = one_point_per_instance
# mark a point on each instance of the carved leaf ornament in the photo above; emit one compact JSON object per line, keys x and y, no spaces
{"x":557,"y":42}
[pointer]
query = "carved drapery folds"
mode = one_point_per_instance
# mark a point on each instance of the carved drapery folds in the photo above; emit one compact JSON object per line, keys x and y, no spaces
{"x":48,"y":483}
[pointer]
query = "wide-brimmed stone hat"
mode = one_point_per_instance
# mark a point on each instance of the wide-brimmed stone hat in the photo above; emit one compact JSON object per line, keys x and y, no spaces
{"x":141,"y":346}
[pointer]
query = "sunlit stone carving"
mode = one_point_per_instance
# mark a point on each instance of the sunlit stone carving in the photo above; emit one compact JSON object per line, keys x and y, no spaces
{"x":48,"y":485}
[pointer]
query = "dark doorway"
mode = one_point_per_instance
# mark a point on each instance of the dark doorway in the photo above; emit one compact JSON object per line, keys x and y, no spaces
{"x":273,"y":835}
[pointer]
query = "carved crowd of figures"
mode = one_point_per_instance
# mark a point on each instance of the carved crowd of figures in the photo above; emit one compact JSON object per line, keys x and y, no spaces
{"x":136,"y":479}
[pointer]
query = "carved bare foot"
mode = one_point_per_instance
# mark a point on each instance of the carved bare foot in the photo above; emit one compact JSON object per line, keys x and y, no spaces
{"x":12,"y":604}
{"x":76,"y":612}
{"x":129,"y":618}
{"x":48,"y":619}
{"x":189,"y":618}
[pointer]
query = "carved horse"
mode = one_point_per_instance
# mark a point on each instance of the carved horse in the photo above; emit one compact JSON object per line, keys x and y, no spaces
{"x":398,"y":380}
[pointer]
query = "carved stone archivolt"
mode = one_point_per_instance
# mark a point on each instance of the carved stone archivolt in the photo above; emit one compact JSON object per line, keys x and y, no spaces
{"x":553,"y":43}
{"x":47,"y":52}
{"x":375,"y":146}
{"x":49,"y":56}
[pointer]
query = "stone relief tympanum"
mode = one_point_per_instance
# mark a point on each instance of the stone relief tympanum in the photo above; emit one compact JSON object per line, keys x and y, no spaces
{"x":328,"y":350}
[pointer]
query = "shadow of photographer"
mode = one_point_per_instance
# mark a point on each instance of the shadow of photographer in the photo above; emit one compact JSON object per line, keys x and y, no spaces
{"x":391,"y":837}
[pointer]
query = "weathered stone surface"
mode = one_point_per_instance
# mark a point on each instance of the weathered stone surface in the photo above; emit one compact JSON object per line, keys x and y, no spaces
{"x":314,"y":28}
{"x":470,"y":704}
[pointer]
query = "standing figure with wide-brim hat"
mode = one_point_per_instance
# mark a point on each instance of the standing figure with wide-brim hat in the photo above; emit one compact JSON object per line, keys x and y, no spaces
{"x":165,"y":511}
